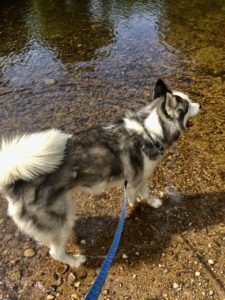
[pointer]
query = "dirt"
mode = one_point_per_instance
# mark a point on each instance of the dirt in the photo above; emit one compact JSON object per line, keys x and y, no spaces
{"x":174,"y":252}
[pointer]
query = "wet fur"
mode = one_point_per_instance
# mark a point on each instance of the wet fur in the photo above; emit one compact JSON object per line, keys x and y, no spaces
{"x":39,"y":185}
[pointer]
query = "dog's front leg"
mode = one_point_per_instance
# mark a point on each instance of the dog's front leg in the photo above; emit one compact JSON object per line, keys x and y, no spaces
{"x":132,"y":193}
{"x":148,"y":198}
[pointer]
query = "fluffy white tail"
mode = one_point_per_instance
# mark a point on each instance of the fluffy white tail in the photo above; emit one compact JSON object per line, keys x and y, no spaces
{"x":29,"y":155}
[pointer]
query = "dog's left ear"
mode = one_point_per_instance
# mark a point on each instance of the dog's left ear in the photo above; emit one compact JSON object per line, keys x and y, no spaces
{"x":160,"y":89}
{"x":170,"y":104}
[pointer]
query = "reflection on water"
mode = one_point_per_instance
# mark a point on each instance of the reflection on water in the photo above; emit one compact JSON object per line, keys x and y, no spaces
{"x":69,"y":28}
{"x":61,"y":36}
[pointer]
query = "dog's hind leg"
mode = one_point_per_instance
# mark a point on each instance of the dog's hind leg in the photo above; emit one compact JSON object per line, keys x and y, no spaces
{"x":49,"y":221}
{"x":59,"y":238}
{"x":57,"y":251}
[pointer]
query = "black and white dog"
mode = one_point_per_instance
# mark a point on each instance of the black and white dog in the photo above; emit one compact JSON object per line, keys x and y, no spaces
{"x":39,"y":171}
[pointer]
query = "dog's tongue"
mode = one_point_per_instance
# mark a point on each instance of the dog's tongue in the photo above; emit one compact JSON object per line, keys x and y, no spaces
{"x":189,"y":124}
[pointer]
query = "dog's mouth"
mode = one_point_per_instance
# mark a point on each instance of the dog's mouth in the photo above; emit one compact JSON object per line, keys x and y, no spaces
{"x":189,"y":124}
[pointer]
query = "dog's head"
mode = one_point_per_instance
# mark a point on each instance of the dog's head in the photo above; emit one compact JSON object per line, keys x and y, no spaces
{"x":176,"y":105}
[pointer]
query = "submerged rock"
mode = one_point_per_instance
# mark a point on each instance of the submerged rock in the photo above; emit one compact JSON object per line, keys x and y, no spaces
{"x":29,"y":252}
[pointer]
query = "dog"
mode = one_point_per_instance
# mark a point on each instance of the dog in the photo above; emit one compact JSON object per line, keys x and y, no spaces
{"x":39,"y":171}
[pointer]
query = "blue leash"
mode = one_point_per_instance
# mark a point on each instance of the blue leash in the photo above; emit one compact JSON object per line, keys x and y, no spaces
{"x":96,"y":288}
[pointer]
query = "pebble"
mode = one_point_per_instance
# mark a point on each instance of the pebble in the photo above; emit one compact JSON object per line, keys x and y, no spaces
{"x":175,"y":285}
{"x":124,"y":256}
{"x":81,"y":273}
{"x":29,"y":252}
{"x":197,"y":273}
{"x":211,"y":262}
{"x":83,"y":242}
{"x":147,"y":94}
{"x":105,"y":292}
{"x":211,"y":292}
{"x":49,"y":81}
{"x":50,"y":297}
{"x":134,"y":276}
{"x":74,"y":296}
{"x":77,"y":284}
{"x":71,"y":277}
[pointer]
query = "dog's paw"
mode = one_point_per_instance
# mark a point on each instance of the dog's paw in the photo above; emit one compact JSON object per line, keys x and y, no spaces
{"x":77,"y":261}
{"x":74,"y":261}
{"x":154,"y":202}
{"x":132,"y":204}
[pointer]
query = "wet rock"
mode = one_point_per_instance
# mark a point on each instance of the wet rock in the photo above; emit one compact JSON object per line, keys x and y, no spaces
{"x":50,"y":297}
{"x":29,"y":252}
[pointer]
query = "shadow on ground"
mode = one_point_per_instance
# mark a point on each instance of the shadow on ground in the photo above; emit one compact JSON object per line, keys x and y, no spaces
{"x":147,"y":231}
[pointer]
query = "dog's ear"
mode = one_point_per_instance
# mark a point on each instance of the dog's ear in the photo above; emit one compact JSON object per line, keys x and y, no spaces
{"x":171,"y":104}
{"x":160,"y":89}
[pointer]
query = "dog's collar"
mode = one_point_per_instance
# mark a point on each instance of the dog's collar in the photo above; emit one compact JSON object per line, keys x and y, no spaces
{"x":155,"y":140}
